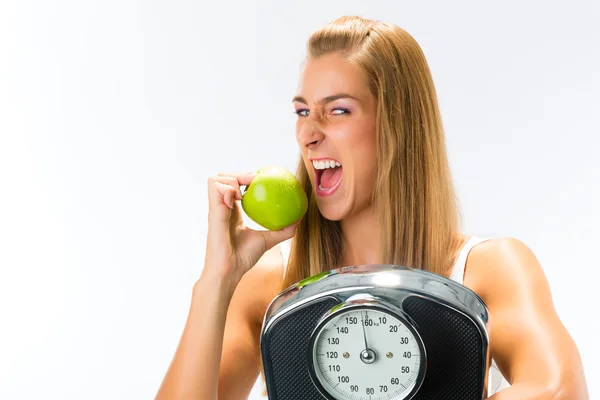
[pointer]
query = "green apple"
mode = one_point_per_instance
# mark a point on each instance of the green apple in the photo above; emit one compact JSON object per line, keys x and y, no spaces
{"x":274,"y":199}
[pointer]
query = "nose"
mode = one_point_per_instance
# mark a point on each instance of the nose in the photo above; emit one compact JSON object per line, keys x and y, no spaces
{"x":310,"y":134}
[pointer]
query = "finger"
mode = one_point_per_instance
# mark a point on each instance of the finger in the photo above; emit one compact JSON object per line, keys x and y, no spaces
{"x":237,"y":181}
{"x":242,"y":179}
{"x":227,"y":192}
{"x":235,"y":219}
{"x":231,"y":181}
{"x":219,"y":202}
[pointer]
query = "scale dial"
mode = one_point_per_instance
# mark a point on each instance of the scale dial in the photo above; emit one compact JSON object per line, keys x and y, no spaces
{"x":366,"y":352}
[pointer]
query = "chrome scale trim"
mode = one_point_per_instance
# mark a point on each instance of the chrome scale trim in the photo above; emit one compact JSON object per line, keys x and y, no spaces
{"x":387,"y":283}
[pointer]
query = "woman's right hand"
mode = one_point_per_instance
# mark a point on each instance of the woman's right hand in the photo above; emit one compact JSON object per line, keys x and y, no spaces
{"x":231,"y":247}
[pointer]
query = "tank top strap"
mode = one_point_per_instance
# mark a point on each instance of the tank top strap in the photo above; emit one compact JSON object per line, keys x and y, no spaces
{"x":458,"y":270}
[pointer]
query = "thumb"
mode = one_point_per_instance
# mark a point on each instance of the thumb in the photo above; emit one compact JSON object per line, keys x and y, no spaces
{"x":271,"y":238}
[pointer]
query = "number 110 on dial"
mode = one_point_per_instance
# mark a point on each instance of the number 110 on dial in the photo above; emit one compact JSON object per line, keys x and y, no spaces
{"x":366,"y":352}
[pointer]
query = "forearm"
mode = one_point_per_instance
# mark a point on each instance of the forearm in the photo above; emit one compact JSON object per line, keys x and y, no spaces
{"x":194,"y":371}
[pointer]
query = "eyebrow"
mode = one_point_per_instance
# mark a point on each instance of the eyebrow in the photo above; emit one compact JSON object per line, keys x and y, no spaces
{"x":327,"y":99}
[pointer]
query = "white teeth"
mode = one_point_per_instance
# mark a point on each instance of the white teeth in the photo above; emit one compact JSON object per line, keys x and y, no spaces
{"x":320,"y":164}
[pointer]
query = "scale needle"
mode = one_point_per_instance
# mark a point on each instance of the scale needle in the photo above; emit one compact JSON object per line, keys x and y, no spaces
{"x":364,"y":333}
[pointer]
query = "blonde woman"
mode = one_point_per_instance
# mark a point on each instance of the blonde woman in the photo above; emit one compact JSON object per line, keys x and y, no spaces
{"x":375,"y":169}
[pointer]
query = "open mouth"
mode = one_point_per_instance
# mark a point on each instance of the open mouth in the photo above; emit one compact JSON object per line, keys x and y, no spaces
{"x":328,"y":176}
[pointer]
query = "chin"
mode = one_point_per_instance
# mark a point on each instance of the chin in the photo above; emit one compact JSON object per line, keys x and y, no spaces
{"x":331,"y":212}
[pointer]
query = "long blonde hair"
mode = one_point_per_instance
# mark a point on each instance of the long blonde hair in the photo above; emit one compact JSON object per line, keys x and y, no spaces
{"x":413,"y":194}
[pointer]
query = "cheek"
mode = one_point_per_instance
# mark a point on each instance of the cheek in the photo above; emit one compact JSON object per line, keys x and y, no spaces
{"x":358,"y":136}
{"x":363,"y":145}
{"x":369,"y":139}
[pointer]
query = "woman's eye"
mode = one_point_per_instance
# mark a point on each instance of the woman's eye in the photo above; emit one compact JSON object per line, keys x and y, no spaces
{"x":303,"y":112}
{"x":336,"y":111}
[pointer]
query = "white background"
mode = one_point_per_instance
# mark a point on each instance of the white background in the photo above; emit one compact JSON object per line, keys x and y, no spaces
{"x":113,"y":114}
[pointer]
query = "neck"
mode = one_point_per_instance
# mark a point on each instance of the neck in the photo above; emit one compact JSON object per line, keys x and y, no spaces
{"x":361,"y":238}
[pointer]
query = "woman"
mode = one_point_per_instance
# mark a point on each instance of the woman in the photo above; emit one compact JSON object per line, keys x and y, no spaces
{"x":375,"y":168}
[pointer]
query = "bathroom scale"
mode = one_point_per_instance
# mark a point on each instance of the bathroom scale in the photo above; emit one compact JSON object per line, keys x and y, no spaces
{"x":376,"y":332}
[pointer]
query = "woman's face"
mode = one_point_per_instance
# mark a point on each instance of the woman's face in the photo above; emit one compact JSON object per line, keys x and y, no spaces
{"x":336,"y":134}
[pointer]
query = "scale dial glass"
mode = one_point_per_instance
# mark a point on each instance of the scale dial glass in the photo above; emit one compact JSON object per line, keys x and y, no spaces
{"x":367,"y":353}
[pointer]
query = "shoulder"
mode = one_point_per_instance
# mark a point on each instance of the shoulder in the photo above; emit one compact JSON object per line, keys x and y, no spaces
{"x":502,"y":266}
{"x":530,"y":344}
{"x":260,"y":284}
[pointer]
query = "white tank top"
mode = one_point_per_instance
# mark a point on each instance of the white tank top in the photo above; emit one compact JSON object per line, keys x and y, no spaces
{"x":496,"y":381}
